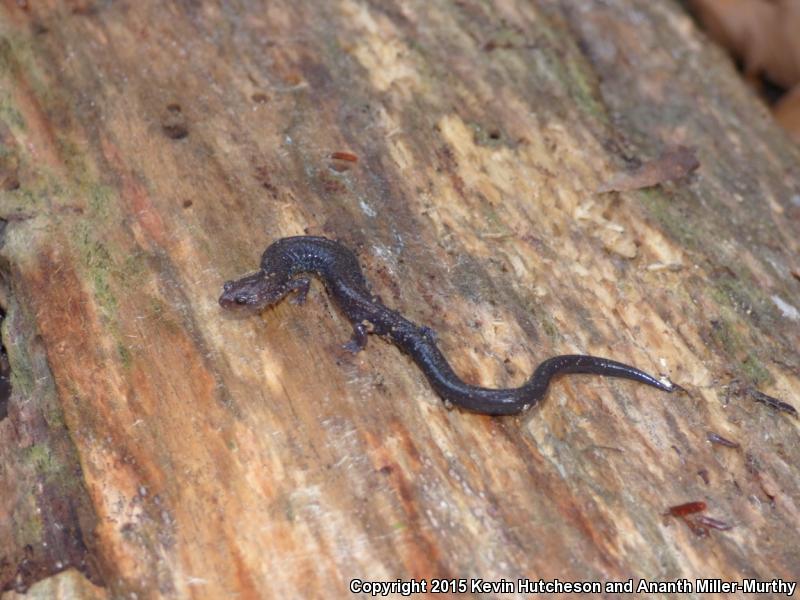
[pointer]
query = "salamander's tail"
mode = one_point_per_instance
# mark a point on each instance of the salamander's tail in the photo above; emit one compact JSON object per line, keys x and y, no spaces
{"x":581,"y":363}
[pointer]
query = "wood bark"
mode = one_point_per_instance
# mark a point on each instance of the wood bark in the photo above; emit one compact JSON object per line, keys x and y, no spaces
{"x":156,"y":447}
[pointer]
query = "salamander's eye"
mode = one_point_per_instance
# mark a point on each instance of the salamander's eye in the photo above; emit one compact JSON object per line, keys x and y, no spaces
{"x":227,"y":286}
{"x":240,"y":299}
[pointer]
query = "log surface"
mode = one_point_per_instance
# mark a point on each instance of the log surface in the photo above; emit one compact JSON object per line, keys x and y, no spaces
{"x":155,"y":445}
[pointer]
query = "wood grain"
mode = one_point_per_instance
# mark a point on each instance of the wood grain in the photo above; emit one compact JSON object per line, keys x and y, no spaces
{"x":166,"y":449}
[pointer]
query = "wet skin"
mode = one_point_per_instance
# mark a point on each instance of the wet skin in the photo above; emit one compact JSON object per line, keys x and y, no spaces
{"x":284,"y":265}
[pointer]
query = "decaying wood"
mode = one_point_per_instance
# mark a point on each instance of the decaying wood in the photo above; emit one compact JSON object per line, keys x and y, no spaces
{"x":158,"y":447}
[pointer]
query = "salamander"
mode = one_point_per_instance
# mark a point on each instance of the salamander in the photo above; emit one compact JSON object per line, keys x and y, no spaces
{"x":284,"y":267}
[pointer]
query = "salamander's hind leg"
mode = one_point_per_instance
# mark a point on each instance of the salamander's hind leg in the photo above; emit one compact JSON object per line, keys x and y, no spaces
{"x":359,"y":340}
{"x":299,"y":285}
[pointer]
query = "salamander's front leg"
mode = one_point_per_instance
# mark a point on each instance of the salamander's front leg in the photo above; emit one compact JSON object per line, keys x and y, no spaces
{"x":359,"y":340}
{"x":299,"y":285}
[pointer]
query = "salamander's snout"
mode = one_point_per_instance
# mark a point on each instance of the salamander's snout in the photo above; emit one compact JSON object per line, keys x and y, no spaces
{"x":252,"y":292}
{"x":228,"y":299}
{"x":239,"y":294}
{"x":237,"y":301}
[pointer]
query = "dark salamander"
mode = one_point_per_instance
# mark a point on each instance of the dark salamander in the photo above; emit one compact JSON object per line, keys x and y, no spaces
{"x":282,"y":267}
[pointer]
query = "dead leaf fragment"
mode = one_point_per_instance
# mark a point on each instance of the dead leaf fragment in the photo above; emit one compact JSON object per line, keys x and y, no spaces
{"x":761,"y":33}
{"x":673,"y":164}
{"x":787,"y":113}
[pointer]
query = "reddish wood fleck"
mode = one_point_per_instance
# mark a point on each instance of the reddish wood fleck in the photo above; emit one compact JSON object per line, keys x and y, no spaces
{"x":348,"y":156}
{"x":681,"y":510}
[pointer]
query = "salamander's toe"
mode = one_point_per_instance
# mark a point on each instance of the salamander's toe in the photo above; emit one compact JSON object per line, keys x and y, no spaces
{"x":353,"y":346}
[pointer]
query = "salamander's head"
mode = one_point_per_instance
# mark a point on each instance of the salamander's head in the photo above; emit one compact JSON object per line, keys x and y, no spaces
{"x":252,"y":292}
